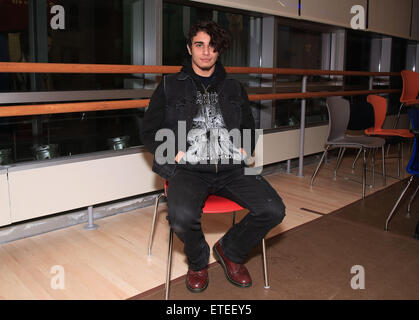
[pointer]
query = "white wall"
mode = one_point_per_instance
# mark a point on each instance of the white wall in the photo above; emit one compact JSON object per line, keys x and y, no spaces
{"x":45,"y":190}
{"x":4,"y":199}
{"x":280,"y":146}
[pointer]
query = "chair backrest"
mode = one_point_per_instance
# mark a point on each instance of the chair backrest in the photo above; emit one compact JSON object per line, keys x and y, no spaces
{"x":380,"y":110}
{"x":339,"y":111}
{"x":413,"y":165}
{"x":410,"y":85}
{"x":166,"y":186}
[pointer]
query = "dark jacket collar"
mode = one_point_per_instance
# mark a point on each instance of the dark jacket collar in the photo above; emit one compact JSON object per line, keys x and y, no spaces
{"x":187,"y":70}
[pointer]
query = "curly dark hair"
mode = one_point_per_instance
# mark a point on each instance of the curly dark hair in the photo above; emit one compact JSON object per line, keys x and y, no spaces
{"x":220,"y":38}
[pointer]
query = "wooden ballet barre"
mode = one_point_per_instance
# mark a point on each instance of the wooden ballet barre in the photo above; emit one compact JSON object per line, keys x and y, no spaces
{"x":54,"y":108}
{"x":31,"y":67}
{"x":319,"y":94}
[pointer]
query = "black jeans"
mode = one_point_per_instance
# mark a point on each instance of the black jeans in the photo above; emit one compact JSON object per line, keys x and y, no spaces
{"x":187,"y":193}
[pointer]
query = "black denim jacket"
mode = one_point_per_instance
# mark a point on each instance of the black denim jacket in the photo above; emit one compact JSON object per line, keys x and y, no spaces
{"x":174,"y":101}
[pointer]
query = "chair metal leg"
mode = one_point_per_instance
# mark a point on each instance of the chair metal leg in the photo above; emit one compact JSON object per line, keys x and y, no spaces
{"x":265,"y":268}
{"x":402,"y":158}
{"x":169,"y":264}
{"x":340,"y":152}
{"x":396,"y":122}
{"x":384,"y":165}
{"x":373,"y":166}
{"x":356,"y":158}
{"x":410,"y":202}
{"x":318,"y":166}
{"x":364,"y":173}
{"x":153,"y":223}
{"x":397,"y":203}
{"x":398,"y":116}
{"x":399,"y":159}
{"x":339,"y":160}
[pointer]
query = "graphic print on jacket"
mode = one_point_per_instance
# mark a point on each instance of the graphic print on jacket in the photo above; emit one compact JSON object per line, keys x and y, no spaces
{"x":208,"y":140}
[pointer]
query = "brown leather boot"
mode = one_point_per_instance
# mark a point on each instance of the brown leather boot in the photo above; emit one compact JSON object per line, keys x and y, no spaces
{"x":236,"y":273}
{"x":197,"y":281}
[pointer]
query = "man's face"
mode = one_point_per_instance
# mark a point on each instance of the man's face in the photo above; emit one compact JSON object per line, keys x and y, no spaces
{"x":203,"y":55}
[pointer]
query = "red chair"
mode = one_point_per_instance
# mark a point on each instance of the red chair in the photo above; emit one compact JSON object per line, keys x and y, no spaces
{"x":410,"y":91}
{"x":213,"y":204}
{"x":392,"y":136}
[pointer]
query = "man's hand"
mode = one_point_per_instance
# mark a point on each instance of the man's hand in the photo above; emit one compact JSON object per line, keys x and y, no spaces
{"x":249,"y":161}
{"x":179,"y":156}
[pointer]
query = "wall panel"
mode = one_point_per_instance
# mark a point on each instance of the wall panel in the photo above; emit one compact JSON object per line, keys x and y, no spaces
{"x":287,"y":8}
{"x":4,"y":199}
{"x":390,"y":17}
{"x":415,"y":20}
{"x":334,"y":12}
{"x":280,"y":146}
{"x":52,"y":189}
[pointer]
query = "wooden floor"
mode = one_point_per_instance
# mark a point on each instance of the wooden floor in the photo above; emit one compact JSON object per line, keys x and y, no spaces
{"x":112,"y":262}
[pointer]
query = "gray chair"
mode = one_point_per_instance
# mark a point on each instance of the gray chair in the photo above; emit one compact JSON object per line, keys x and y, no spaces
{"x":339,"y":112}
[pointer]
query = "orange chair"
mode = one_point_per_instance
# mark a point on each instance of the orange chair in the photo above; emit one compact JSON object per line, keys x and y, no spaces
{"x":410,"y":91}
{"x":392,"y":136}
{"x":213,"y":204}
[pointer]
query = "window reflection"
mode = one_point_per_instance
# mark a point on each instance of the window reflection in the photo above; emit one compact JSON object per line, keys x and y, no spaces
{"x":96,"y":32}
{"x":302,"y":48}
{"x":245,"y":49}
{"x":243,"y":29}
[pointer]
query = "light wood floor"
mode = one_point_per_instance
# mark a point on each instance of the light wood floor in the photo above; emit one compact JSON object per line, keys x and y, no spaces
{"x":112,"y":262}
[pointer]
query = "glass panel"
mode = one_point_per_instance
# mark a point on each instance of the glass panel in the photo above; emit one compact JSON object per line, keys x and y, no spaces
{"x":302,"y":48}
{"x":398,"y":63}
{"x":94,"y":32}
{"x":14,"y":42}
{"x":288,"y":112}
{"x":299,"y":48}
{"x":245,"y":49}
{"x":358,"y":55}
{"x":177,"y":20}
{"x":411,"y":56}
